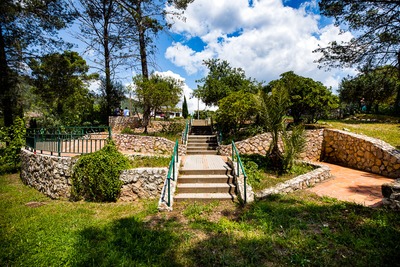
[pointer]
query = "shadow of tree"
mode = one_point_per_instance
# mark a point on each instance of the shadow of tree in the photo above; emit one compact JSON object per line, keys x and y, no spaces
{"x":126,"y":242}
{"x":284,"y":231}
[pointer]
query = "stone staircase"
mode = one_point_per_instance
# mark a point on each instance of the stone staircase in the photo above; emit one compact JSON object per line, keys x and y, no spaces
{"x":205,"y":184}
{"x":204,"y":176}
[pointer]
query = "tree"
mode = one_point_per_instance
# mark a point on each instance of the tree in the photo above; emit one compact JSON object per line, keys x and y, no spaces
{"x":235,"y":109}
{"x":110,"y":97}
{"x":185,"y":111}
{"x":305,"y":96}
{"x":221,"y":80}
{"x":60,"y":81}
{"x":157,"y":92}
{"x":26,"y":28}
{"x":376,"y":87}
{"x":275,"y":106}
{"x":105,"y":29}
{"x":376,"y":43}
{"x":148,"y":18}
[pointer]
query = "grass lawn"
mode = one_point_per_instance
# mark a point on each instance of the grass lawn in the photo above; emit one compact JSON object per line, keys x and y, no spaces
{"x":149,"y":161}
{"x":300,"y":229}
{"x":388,"y":132}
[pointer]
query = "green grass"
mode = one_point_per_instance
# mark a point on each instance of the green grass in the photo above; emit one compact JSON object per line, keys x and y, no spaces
{"x":149,"y":161}
{"x":260,"y":175}
{"x":299,"y":229}
{"x":388,"y":131}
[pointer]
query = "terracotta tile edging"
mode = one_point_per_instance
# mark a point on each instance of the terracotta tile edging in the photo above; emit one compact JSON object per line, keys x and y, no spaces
{"x":307,"y":180}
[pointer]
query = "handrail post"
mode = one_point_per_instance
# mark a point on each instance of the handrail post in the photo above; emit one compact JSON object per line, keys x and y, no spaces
{"x":169,"y":191}
{"x":109,"y":132}
{"x":59,"y":146}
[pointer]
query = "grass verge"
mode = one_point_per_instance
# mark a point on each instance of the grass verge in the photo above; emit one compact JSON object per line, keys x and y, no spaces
{"x":299,"y":229}
{"x":149,"y":161}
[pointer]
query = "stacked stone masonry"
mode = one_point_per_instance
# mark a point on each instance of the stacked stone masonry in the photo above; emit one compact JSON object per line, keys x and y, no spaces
{"x":260,"y":144}
{"x":51,"y":175}
{"x":138,"y":144}
{"x":361,"y":152}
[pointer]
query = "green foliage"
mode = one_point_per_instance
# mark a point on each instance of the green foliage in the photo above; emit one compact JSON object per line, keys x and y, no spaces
{"x":377,"y":87}
{"x":127,"y":130}
{"x":275,"y":107}
{"x":254,"y":174}
{"x":291,"y":230}
{"x":173,"y":128}
{"x":96,"y":176}
{"x":307,"y":98}
{"x":12,"y":139}
{"x":156,"y":92}
{"x":222,"y":80}
{"x":60,"y":81}
{"x":236,"y":109}
{"x":185,"y":111}
{"x":147,"y":161}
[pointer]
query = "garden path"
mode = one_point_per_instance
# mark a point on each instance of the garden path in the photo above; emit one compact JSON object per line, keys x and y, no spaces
{"x":352,"y":185}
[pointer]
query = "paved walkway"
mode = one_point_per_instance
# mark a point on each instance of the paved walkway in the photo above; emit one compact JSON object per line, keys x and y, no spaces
{"x":203,"y":162}
{"x":352,"y":185}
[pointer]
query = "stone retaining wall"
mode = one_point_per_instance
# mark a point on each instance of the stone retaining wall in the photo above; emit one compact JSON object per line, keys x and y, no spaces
{"x":51,"y":175}
{"x":361,"y":152}
{"x":146,"y":144}
{"x":259,"y":144}
{"x":142,"y":183}
{"x":320,"y":174}
{"x":118,"y":123}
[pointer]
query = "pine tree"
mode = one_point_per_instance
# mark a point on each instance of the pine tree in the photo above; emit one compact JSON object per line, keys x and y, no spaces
{"x":185,"y":112}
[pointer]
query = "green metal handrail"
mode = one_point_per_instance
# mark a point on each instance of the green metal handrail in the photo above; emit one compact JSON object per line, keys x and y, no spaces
{"x":186,"y":132}
{"x":76,"y":140}
{"x":172,"y":170}
{"x":235,"y":152}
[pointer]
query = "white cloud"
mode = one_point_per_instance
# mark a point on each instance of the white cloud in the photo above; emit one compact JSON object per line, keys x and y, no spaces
{"x":265,"y":39}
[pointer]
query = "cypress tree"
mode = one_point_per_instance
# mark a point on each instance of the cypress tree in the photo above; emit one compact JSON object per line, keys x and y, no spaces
{"x":185,"y":112}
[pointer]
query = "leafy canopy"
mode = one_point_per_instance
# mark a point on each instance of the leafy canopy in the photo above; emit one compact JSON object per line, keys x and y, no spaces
{"x":60,"y":81}
{"x":305,"y":96}
{"x":157,"y":91}
{"x":221,"y":80}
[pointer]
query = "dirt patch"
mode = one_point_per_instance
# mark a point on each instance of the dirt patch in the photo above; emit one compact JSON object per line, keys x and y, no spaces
{"x":35,"y":204}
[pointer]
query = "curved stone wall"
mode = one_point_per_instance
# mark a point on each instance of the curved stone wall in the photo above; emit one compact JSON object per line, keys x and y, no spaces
{"x":259,"y":144}
{"x":361,"y":152}
{"x":51,"y":175}
{"x":146,"y":144}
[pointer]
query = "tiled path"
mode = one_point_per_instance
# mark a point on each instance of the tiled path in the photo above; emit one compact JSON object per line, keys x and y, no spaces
{"x":352,"y":185}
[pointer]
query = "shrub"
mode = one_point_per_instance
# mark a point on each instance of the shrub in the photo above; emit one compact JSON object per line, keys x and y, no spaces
{"x":12,"y":139}
{"x":127,"y":130}
{"x":96,"y":175}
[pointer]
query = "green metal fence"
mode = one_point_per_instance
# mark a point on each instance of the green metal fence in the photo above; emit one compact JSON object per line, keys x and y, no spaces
{"x":235,"y":155}
{"x":70,"y":140}
{"x":185,"y":133}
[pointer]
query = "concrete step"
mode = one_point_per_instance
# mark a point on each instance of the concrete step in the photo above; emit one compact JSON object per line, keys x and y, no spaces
{"x":201,"y":138}
{"x":201,"y":152}
{"x":203,"y":147}
{"x":215,"y":178}
{"x":203,"y":197}
{"x":206,"y":188}
{"x":194,"y":144}
{"x":224,"y":171}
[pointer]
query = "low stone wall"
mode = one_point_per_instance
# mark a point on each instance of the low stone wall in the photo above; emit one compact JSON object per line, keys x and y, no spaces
{"x":260,"y":144}
{"x":391,"y":195}
{"x":320,"y":174}
{"x":142,"y":183}
{"x":361,"y":152}
{"x":146,"y":144}
{"x":51,"y":175}
{"x":118,"y":123}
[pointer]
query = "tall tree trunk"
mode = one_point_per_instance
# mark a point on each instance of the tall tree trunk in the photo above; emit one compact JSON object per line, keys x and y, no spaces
{"x":397,"y":102}
{"x":107,"y":68}
{"x":5,"y":84}
{"x":145,"y":70}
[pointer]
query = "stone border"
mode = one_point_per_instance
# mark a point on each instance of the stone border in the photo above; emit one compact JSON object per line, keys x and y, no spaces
{"x":307,"y":180}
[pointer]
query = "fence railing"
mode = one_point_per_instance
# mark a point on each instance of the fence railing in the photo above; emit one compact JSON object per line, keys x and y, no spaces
{"x":239,"y":165}
{"x":73,"y":140}
{"x":172,"y":171}
{"x":185,"y":133}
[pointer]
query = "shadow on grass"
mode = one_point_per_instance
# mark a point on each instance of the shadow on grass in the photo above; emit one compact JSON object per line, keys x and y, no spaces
{"x":283,"y":231}
{"x":125,"y":242}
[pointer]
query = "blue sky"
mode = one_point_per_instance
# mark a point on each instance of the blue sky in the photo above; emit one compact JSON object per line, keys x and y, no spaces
{"x":264,"y":37}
